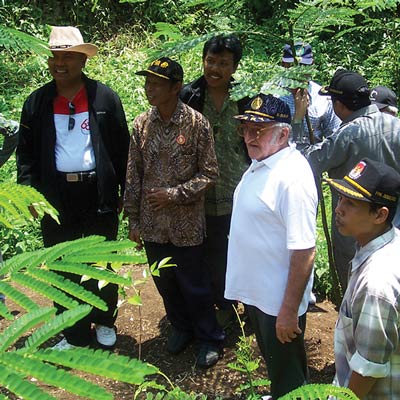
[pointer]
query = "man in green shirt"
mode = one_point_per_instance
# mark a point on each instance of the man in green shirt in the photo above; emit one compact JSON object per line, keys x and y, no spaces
{"x":209,"y":94}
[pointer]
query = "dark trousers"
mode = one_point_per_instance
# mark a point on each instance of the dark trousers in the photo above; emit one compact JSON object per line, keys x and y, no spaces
{"x":79,"y":217}
{"x":286,"y":363}
{"x":216,"y":254}
{"x":185,"y":290}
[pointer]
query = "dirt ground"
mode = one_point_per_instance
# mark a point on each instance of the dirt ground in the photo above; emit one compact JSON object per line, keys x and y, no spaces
{"x":219,"y":380}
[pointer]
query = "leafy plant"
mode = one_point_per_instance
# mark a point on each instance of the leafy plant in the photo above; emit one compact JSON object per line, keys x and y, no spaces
{"x":247,"y":363}
{"x":319,"y":392}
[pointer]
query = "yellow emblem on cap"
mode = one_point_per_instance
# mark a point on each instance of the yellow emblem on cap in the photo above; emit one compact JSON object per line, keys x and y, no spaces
{"x":164,"y":65}
{"x":256,"y":103}
{"x":156,"y":62}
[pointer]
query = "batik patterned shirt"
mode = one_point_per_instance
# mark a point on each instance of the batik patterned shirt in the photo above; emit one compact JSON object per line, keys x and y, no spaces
{"x":179,"y":156}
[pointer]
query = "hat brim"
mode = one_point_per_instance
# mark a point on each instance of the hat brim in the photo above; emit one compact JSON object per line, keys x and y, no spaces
{"x":253,"y":118}
{"x":146,"y":72}
{"x":87,"y":48}
{"x":346,"y":189}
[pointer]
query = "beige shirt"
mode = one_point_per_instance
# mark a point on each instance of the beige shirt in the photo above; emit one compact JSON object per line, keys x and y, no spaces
{"x":178,"y":155}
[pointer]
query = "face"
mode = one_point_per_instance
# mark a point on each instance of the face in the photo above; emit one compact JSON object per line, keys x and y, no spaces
{"x":218,"y":69}
{"x":66,"y":66}
{"x":263,"y":139}
{"x":355,"y":218}
{"x":160,"y":91}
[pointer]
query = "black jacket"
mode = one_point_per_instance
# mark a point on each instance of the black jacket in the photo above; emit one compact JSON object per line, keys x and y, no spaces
{"x":193,"y":95}
{"x":36,"y":162}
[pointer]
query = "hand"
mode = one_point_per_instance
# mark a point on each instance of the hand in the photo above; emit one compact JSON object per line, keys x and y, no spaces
{"x":301,"y":103}
{"x":134,"y":235}
{"x":159,"y":198}
{"x":287,"y":326}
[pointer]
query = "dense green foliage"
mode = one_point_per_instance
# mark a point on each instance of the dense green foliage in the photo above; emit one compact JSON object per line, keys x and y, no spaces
{"x":362,"y":35}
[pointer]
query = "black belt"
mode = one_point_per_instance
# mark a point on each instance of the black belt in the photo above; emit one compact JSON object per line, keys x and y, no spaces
{"x":84,"y":176}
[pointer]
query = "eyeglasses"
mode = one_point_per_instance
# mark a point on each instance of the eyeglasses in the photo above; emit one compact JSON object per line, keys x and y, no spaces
{"x":71,"y":121}
{"x":253,"y":132}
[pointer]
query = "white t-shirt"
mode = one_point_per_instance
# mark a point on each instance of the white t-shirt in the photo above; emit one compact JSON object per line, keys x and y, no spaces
{"x":73,"y":149}
{"x":274,"y":213}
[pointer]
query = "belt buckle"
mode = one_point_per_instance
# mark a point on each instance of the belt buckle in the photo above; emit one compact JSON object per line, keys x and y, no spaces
{"x":71,"y":177}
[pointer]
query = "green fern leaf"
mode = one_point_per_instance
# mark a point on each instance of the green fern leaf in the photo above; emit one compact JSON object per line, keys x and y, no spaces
{"x":22,"y":325}
{"x":50,"y":375}
{"x":101,"y":363}
{"x":4,"y":312}
{"x":17,"y":297}
{"x":15,"y":200}
{"x":88,"y":270}
{"x":22,"y":261}
{"x":319,"y":391}
{"x":42,"y":288}
{"x":54,"y":326}
{"x":72,"y":288}
{"x":16,"y":384}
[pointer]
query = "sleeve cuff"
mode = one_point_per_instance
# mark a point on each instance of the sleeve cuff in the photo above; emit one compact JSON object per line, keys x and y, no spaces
{"x":368,"y":368}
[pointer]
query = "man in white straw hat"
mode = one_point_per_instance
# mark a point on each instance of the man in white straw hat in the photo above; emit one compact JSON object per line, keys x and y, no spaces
{"x":73,"y":148}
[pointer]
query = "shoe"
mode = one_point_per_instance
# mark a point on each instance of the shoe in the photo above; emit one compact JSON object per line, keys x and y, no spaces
{"x":178,"y":341}
{"x":208,"y":355}
{"x":105,"y":336}
{"x":63,"y":345}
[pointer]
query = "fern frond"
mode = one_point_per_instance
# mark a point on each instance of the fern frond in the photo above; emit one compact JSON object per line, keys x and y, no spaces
{"x":45,"y":290}
{"x":14,"y":40}
{"x":54,"y":326}
{"x":50,"y":375}
{"x":16,"y":384}
{"x":4,"y":312}
{"x":22,"y":325}
{"x":59,"y":250}
{"x":17,"y":296}
{"x":72,"y":288}
{"x":319,"y":391}
{"x":101,"y":363}
{"x":21,"y":261}
{"x":175,"y":47}
{"x":15,"y":200}
{"x":88,"y":270}
{"x":308,"y":20}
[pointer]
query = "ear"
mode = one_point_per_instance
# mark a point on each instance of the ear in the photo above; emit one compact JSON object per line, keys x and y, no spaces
{"x":381,"y":215}
{"x":176,"y":88}
{"x":283,"y":135}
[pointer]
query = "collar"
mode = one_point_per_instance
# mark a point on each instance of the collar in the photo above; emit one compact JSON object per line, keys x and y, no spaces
{"x":271,"y":161}
{"x":362,"y":253}
{"x":175,"y":118}
{"x":362,"y":112}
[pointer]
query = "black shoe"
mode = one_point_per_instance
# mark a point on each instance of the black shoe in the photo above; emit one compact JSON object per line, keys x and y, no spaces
{"x":208,"y":355}
{"x":178,"y":341}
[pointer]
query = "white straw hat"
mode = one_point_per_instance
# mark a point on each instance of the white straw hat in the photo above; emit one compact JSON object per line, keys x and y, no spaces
{"x":69,"y":38}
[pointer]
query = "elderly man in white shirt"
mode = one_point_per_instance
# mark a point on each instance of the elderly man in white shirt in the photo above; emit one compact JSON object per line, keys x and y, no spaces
{"x":272,"y":241}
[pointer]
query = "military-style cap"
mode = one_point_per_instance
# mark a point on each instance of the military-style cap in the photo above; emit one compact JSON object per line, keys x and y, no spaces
{"x":370,"y":181}
{"x":265,"y":108}
{"x":346,"y":84}
{"x":165,"y":68}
